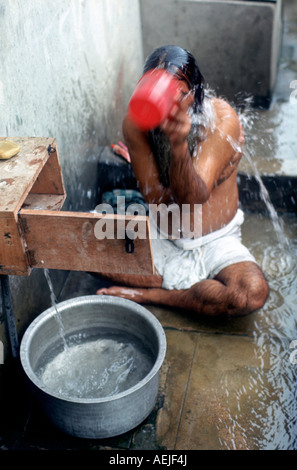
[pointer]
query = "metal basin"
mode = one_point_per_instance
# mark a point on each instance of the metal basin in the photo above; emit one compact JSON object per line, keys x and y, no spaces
{"x":95,"y":417}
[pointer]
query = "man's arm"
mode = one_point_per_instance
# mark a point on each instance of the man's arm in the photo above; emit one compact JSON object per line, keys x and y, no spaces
{"x":192,"y":180}
{"x":144,"y":165}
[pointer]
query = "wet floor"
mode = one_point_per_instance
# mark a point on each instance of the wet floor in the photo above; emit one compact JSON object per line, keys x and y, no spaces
{"x":232,"y":384}
{"x":224,"y":384}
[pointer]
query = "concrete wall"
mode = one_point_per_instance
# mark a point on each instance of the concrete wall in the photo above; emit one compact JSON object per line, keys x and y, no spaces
{"x":68,"y":69}
{"x":236,"y":43}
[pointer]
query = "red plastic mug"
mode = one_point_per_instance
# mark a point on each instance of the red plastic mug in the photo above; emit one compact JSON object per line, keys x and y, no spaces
{"x":153,"y":98}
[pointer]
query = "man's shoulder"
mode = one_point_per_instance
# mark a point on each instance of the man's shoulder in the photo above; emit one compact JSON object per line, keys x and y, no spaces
{"x":227,"y":121}
{"x":222,"y":107}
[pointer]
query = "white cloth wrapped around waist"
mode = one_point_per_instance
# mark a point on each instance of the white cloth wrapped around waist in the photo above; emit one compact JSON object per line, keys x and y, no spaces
{"x":184,"y":262}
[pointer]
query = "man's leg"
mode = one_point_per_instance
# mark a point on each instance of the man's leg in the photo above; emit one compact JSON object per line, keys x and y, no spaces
{"x":239,"y":289}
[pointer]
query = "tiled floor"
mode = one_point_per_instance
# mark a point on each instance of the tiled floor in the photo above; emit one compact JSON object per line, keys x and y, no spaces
{"x":225,"y":383}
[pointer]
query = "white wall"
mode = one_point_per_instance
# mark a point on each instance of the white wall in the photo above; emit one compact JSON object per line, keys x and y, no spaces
{"x":67,"y":70}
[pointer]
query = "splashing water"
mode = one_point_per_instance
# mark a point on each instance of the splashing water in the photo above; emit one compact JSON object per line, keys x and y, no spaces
{"x":247,"y":118}
{"x":262,"y":411}
{"x":96,"y":368}
{"x":92,"y":368}
{"x":54,"y":304}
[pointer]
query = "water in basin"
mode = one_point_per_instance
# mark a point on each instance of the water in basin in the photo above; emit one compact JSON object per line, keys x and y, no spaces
{"x":96,"y":368}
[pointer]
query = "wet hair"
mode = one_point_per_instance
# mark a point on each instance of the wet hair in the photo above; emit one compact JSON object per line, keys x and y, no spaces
{"x":183,"y":65}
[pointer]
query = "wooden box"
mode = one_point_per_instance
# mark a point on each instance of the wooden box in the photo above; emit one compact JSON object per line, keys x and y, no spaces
{"x":35,"y":233}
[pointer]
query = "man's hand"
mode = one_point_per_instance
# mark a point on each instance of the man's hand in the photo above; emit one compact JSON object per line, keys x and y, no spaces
{"x":178,"y":124}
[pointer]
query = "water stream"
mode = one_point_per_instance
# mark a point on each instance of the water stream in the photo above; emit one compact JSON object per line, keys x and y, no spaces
{"x":248,"y":118}
{"x":262,"y":413}
{"x":54,"y":304}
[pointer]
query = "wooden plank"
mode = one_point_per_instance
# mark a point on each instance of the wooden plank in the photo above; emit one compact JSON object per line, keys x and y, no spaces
{"x":12,"y":251}
{"x":69,"y":241}
{"x":34,"y":167}
{"x":19,"y":173}
{"x":52,"y":202}
{"x":50,"y":179}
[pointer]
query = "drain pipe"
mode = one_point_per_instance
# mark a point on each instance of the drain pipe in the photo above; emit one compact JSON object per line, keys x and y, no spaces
{"x":9,"y":315}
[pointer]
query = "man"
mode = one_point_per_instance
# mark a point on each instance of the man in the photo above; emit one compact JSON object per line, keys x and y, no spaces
{"x":192,"y":159}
